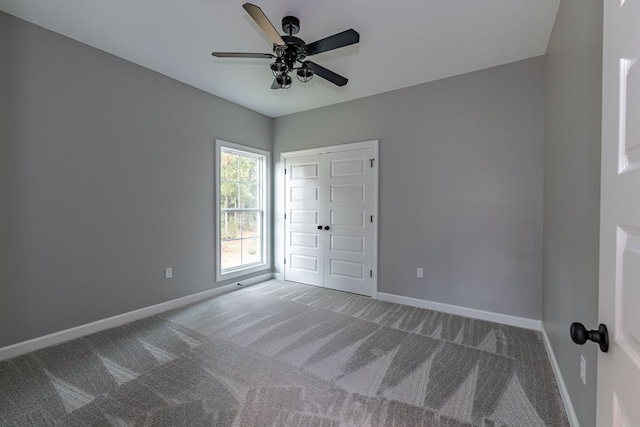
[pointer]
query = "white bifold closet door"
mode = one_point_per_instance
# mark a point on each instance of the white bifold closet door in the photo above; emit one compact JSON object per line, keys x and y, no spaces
{"x":329,"y":205}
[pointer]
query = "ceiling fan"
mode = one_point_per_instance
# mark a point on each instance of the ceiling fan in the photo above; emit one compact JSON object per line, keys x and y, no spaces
{"x":289,"y":50}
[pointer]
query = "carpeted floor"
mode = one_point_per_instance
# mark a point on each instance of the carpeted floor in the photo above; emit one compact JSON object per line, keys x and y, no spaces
{"x":280,"y":354}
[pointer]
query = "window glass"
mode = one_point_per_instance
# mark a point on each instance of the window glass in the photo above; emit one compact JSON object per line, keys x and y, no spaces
{"x":242,"y":216}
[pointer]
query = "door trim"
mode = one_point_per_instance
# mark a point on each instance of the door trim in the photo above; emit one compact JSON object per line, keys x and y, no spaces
{"x":562,"y":386}
{"x":280,"y":203}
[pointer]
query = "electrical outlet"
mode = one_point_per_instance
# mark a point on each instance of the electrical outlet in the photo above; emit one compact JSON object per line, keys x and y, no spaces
{"x":168,"y":273}
{"x":420,"y":272}
{"x":583,"y":370}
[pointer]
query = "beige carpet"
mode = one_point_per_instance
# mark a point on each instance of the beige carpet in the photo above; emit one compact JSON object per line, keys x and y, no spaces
{"x":280,"y":354}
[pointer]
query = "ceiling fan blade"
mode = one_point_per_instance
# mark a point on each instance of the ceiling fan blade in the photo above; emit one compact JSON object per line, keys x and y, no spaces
{"x":242,"y":55}
{"x":263,"y":22}
{"x":326,"y":74}
{"x":275,"y":85}
{"x":335,"y":41}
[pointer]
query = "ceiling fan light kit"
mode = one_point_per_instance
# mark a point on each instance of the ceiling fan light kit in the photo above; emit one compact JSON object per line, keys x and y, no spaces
{"x":278,"y":67}
{"x":284,"y":81}
{"x":304,"y":73}
{"x":289,"y":50}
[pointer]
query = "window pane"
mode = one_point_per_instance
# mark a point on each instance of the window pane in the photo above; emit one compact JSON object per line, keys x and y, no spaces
{"x":230,"y":255}
{"x":248,"y":169}
{"x":241,"y":212}
{"x":251,"y":224}
{"x":228,"y":195}
{"x":251,"y":251}
{"x":230,"y":225}
{"x":228,"y":166}
{"x":249,"y":196}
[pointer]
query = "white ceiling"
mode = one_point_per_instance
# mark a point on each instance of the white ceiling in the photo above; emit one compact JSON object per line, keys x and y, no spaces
{"x":402,"y":42}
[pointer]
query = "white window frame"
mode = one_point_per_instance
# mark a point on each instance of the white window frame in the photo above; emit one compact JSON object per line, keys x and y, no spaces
{"x":266,"y":217}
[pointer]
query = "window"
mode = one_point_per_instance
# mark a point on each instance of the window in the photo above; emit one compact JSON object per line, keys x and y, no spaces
{"x":242,"y":198}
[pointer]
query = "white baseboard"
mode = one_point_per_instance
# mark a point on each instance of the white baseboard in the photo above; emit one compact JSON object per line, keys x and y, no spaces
{"x":121,"y":319}
{"x":506,"y":319}
{"x":564,"y":393}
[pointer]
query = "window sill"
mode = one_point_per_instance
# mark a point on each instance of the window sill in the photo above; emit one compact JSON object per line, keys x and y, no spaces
{"x":241,"y":272}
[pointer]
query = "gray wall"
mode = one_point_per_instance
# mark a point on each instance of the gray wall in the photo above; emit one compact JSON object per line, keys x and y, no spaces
{"x":106,"y":177}
{"x":461,"y":164}
{"x":573,"y":77}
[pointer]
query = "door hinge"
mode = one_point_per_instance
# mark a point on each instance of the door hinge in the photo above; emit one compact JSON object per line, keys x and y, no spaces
{"x":371,"y":160}
{"x":285,"y":260}
{"x":285,"y":171}
{"x":285,"y":216}
{"x":371,"y":218}
{"x":370,"y":273}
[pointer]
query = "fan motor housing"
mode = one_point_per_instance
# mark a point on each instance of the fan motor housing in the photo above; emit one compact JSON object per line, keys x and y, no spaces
{"x":295,"y":50}
{"x":295,"y":41}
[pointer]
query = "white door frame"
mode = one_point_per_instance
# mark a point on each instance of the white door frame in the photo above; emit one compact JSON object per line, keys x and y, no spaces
{"x":333,"y":149}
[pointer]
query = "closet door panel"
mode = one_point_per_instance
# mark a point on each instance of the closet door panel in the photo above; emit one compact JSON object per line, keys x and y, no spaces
{"x":304,"y":246}
{"x":349,"y":256}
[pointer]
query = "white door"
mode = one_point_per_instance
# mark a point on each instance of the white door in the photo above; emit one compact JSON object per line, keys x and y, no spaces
{"x":304,"y":246}
{"x":330,"y":203}
{"x":619,"y":369}
{"x":348,"y":258}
